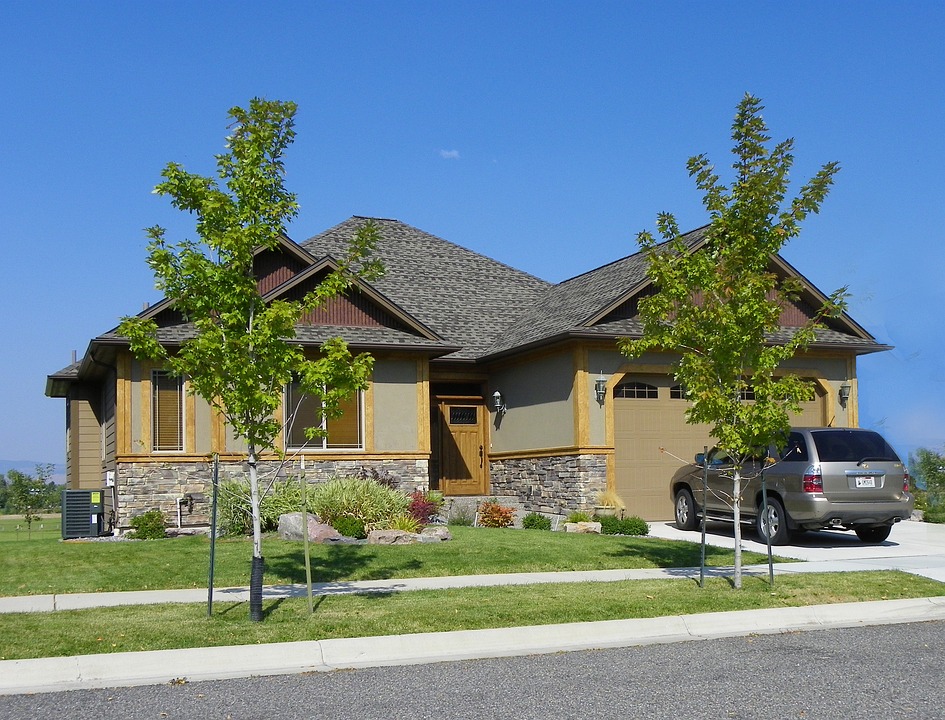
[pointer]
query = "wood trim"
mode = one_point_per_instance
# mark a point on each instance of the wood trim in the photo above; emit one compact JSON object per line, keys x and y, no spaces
{"x":424,"y":441}
{"x":582,"y":431}
{"x":368,"y":417}
{"x":551,"y":452}
{"x":270,"y":457}
{"x":123,"y":404}
{"x":144,"y":405}
{"x":190,"y":419}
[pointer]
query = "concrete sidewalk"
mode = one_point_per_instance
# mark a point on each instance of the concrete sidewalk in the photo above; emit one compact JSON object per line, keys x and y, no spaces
{"x":913,"y":547}
{"x":161,"y":666}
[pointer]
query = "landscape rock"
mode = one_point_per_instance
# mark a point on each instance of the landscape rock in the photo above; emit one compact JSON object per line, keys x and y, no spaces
{"x":592,"y":528}
{"x":435,"y":533}
{"x":290,"y":528}
{"x":392,"y":537}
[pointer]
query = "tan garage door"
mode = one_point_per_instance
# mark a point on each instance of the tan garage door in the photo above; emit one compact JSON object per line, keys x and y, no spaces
{"x":649,"y":414}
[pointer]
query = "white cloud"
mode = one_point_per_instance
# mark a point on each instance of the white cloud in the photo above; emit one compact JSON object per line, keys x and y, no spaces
{"x":449,"y":154}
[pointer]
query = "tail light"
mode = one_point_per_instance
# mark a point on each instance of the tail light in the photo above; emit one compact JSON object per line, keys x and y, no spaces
{"x":813,"y":480}
{"x":906,"y":480}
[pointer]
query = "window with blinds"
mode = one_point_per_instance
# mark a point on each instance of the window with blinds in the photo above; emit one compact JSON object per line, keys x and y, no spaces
{"x":342,"y":433}
{"x":167,"y":412}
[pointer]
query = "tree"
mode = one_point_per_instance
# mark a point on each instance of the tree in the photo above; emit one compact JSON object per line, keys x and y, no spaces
{"x":28,"y":495}
{"x":242,"y":352}
{"x":928,"y":467}
{"x":719,"y":305}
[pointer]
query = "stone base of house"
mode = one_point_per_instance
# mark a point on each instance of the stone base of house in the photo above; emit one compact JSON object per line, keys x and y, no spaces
{"x":554,"y":485}
{"x":183,"y":491}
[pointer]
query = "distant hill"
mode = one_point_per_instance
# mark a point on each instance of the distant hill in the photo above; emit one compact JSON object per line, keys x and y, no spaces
{"x":29,"y":467}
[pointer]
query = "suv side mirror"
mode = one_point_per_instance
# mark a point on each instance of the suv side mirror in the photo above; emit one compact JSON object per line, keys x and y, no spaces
{"x":700,"y":458}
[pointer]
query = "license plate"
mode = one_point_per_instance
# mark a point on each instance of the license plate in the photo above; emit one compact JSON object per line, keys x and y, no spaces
{"x":865,"y":482}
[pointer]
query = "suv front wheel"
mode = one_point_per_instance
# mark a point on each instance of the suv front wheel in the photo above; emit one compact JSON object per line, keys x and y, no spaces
{"x":685,"y":510}
{"x":774,"y":518}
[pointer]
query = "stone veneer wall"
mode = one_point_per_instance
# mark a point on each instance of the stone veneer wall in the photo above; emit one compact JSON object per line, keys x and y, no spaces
{"x":557,"y":484}
{"x":146,"y":486}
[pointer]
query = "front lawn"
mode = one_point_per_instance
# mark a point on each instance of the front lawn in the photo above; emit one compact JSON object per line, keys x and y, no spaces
{"x":156,"y":627}
{"x":47,"y":566}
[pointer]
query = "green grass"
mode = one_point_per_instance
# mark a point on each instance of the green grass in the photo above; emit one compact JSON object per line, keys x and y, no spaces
{"x":42,"y":566}
{"x":13,"y":528}
{"x":181,"y":626}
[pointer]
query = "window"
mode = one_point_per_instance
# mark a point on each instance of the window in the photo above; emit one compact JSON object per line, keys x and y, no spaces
{"x":677,"y":392}
{"x":638,"y":390}
{"x":342,"y":433}
{"x":167,"y":412}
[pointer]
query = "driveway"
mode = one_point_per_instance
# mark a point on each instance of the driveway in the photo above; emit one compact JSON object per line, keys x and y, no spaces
{"x":915,"y":547}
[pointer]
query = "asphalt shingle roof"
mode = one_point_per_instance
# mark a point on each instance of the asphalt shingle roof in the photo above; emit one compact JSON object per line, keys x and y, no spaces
{"x":464,"y":297}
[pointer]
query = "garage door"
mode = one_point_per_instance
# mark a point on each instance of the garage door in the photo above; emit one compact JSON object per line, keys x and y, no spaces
{"x":649,"y":414}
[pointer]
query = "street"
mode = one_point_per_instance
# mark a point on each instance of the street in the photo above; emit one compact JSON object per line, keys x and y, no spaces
{"x":891,"y":671}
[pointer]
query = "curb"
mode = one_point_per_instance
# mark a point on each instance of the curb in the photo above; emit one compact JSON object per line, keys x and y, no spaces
{"x":85,"y":672}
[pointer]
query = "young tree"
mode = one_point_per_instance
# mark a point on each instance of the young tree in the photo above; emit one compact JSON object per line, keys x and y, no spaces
{"x":929,"y":467}
{"x":28,"y":495}
{"x":242,"y":353}
{"x":720,"y":305}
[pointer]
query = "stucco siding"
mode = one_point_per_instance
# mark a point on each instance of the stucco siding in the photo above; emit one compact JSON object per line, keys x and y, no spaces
{"x":396,"y":410}
{"x":539,"y":407}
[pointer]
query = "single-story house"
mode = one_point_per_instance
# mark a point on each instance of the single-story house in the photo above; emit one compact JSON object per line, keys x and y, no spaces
{"x":487,"y":382}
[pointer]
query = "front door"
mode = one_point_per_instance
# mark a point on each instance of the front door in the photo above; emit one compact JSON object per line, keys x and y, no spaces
{"x":462,"y":460}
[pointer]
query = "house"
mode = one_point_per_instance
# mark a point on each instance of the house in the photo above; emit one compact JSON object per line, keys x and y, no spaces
{"x":487,"y":381}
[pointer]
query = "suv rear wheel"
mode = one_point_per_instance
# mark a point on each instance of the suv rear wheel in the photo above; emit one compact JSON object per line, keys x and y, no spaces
{"x":875,"y":534}
{"x":685,"y":510}
{"x":774,"y":518}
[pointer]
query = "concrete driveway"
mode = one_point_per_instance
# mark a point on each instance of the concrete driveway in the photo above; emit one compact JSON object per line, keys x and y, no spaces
{"x":915,"y":547}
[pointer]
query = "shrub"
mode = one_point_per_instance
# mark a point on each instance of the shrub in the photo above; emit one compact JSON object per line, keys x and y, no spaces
{"x":235,"y":516}
{"x":492,"y":514}
{"x":578,"y":516}
{"x":406,"y":522}
{"x":462,"y":517}
{"x":536,"y":521}
{"x":425,"y":506}
{"x":349,"y":527}
{"x":610,"y":499}
{"x":367,"y":500}
{"x":147,"y":526}
{"x":934,"y":514}
{"x":632,"y":525}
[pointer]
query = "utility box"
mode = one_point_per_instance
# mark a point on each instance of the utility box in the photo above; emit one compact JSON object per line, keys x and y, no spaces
{"x":83,"y":513}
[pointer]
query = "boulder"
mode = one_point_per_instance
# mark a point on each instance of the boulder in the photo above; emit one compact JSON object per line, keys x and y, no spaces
{"x":435,"y":533}
{"x":583,"y":527}
{"x":392,"y":537}
{"x":290,"y":528}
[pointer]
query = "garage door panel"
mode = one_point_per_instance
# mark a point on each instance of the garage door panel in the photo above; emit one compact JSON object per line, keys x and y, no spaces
{"x":643,"y":425}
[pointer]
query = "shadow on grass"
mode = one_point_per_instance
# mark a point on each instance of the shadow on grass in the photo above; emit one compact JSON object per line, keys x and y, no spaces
{"x":670,"y":554}
{"x":341,"y":562}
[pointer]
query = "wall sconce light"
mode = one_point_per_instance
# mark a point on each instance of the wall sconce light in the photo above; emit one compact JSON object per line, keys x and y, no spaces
{"x":498,"y":402}
{"x":844,"y":394}
{"x":600,"y":388}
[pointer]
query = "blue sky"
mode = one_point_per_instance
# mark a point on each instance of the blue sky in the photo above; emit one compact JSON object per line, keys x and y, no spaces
{"x":545,"y":134}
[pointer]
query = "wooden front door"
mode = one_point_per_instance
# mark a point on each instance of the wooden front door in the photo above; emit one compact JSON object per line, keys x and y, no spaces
{"x":462,"y":452}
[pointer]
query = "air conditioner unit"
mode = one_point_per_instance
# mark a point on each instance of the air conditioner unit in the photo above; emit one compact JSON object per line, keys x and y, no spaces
{"x":83,"y":513}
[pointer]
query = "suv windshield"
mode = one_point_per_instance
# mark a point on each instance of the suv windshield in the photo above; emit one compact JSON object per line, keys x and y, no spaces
{"x":852,"y":446}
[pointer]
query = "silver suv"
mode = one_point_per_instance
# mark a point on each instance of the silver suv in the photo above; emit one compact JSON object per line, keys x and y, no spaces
{"x":837,"y":478}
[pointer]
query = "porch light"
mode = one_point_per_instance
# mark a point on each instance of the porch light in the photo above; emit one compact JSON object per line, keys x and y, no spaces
{"x":844,"y":394}
{"x":498,"y":402}
{"x":600,"y":388}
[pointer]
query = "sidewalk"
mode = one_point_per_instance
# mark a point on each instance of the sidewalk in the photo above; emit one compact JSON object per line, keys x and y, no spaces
{"x":913,"y":547}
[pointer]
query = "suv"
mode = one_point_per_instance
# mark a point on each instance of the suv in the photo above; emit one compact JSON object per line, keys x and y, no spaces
{"x":837,"y":478}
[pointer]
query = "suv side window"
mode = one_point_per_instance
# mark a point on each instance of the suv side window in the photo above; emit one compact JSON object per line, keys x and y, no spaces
{"x":795,"y":450}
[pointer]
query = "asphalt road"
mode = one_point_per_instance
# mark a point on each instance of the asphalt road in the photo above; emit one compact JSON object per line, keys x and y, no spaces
{"x":891,"y":671}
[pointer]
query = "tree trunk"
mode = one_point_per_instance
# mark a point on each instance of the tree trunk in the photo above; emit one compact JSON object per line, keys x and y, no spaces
{"x":737,"y":516}
{"x":256,"y":571}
